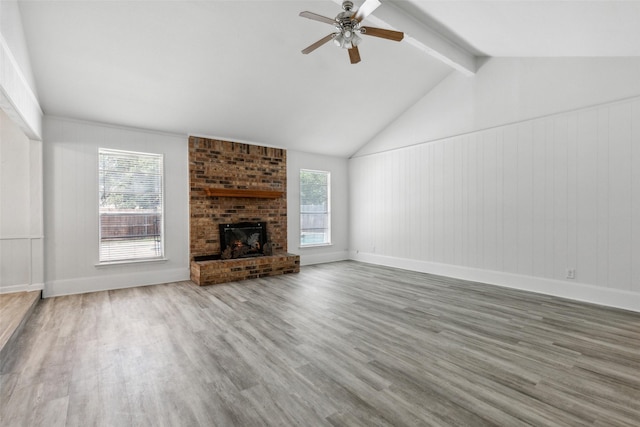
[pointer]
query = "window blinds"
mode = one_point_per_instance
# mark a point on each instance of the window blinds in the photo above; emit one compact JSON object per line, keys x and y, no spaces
{"x":130,"y":205}
{"x":315,"y":224}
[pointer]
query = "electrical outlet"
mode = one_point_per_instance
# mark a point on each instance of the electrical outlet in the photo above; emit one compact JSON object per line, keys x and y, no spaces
{"x":571,"y":273}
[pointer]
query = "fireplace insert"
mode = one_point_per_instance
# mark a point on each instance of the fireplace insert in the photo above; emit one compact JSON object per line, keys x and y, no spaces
{"x":243,"y":239}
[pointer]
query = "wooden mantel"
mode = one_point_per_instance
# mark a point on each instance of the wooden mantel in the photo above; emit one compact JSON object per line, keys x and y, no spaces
{"x":234,"y":192}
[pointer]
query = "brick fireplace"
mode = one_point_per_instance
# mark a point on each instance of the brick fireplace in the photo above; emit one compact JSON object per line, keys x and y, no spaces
{"x":234,"y":183}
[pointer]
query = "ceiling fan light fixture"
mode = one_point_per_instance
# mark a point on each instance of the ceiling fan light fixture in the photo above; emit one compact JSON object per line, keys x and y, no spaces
{"x":346,"y":42}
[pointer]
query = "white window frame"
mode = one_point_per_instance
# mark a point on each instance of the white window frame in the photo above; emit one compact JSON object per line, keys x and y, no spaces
{"x":327,"y":213}
{"x":149,"y":250}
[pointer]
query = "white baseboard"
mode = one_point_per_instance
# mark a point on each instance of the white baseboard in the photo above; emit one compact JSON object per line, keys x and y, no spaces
{"x":21,"y":288}
{"x":113,"y":281}
{"x":321,"y":258}
{"x":565,"y":289}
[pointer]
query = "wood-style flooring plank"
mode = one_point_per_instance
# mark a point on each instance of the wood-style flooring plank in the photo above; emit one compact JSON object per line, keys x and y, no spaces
{"x":341,"y":344}
{"x":15,"y":310}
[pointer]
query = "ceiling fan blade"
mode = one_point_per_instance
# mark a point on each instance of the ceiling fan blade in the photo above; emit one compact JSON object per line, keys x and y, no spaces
{"x":354,"y":55}
{"x":365,"y":10}
{"x":318,"y":43}
{"x":316,"y":17}
{"x":396,"y":36}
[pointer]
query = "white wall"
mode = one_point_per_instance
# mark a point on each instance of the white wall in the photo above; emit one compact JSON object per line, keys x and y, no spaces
{"x":21,"y":238}
{"x":71,"y":207}
{"x":514,"y":205}
{"x":510,"y":90}
{"x":511,"y":177}
{"x":338,"y":167}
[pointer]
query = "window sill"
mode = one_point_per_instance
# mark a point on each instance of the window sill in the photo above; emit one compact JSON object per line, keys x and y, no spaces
{"x":127,"y":262}
{"x":318,"y":245}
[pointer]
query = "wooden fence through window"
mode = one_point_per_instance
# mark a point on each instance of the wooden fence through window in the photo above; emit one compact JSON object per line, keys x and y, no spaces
{"x":118,"y":225}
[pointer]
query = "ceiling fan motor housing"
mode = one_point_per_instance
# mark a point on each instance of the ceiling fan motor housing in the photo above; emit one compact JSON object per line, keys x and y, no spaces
{"x":347,"y":5}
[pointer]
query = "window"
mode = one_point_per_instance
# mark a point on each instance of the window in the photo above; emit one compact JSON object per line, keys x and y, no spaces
{"x":131,"y":206}
{"x":315,"y":221}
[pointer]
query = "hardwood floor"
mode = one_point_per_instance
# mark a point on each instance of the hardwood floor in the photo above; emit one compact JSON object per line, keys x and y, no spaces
{"x":338,"y":344}
{"x":15,"y":309}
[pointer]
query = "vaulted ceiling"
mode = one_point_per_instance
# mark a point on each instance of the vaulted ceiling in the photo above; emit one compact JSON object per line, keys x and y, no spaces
{"x":234,"y":70}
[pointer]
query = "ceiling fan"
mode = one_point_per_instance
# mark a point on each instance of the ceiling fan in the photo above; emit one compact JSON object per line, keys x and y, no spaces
{"x":348,"y":27}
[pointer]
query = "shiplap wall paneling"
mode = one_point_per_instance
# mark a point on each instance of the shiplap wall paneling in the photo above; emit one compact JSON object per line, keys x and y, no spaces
{"x":490,"y":246}
{"x":535,"y":198}
{"x":602,"y":198}
{"x":524,"y":198}
{"x":438,"y":190}
{"x":500,"y":198}
{"x":560,"y":197}
{"x":620,"y":195}
{"x":422,"y":194}
{"x":397,"y":207}
{"x":448,"y":190}
{"x":21,"y":214}
{"x":36,"y":213}
{"x":538,"y":161}
{"x":635,"y":181}
{"x":572,"y":180}
{"x":375,"y":221}
{"x":586,"y":191}
{"x":510,"y":197}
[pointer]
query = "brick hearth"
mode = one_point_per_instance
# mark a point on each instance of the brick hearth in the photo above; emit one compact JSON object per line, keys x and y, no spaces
{"x":221,"y":174}
{"x":231,"y":270}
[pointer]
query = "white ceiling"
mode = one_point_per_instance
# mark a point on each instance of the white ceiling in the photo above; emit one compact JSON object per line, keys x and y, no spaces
{"x":539,"y":28}
{"x":233,"y":69}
